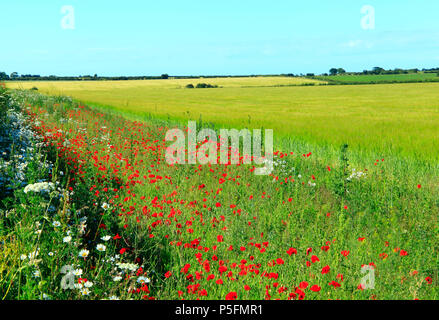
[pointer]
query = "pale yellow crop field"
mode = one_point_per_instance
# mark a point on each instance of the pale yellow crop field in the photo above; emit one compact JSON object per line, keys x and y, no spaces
{"x":231,"y":82}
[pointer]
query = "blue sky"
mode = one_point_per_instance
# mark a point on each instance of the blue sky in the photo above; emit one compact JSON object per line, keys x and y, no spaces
{"x":224,"y":37}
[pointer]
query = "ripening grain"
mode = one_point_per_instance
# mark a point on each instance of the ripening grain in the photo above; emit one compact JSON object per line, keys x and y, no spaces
{"x":386,"y":119}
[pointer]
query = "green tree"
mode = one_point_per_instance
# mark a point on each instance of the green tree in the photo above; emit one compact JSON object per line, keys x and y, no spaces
{"x":333,"y":71}
{"x":377,"y":70}
{"x":4,"y":76}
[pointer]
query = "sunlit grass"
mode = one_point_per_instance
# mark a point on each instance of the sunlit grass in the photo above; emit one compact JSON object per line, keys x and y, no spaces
{"x":386,"y":78}
{"x":390,"y":119}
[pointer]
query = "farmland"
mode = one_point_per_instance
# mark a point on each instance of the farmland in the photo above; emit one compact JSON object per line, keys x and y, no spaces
{"x":388,"y":119}
{"x":381,"y":78}
{"x":353,"y":193}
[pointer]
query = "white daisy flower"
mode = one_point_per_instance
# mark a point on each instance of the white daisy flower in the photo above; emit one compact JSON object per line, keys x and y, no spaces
{"x":143,"y":280}
{"x":84,"y":253}
{"x":85,"y":291}
{"x":77,"y":272}
{"x":101,"y":247}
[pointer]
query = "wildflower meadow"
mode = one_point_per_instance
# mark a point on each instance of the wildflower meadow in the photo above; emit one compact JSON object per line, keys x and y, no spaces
{"x":91,"y":209}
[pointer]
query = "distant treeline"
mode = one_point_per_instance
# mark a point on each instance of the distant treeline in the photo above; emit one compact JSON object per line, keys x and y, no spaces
{"x":377,"y":71}
{"x":30,"y":77}
{"x":332,"y":72}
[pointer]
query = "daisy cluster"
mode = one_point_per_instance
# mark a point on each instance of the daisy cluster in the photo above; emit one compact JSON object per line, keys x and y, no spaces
{"x":17,"y":149}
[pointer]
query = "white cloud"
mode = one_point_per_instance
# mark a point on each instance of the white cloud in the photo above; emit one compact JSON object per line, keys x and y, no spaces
{"x":358,"y":44}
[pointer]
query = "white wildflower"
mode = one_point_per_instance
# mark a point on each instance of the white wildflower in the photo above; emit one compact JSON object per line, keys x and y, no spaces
{"x":143,"y":280}
{"x":85,"y":291}
{"x":117,"y":278}
{"x":77,"y":272}
{"x":84,"y":253}
{"x":78,"y":285}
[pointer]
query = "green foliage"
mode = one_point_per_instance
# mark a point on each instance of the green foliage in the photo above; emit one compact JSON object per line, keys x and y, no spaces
{"x":341,"y":175}
{"x":205,"y":85}
{"x":4,"y":102}
{"x":377,"y":77}
{"x":3,"y":76}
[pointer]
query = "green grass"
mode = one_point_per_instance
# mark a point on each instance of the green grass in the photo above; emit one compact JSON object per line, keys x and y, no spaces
{"x":381,"y":78}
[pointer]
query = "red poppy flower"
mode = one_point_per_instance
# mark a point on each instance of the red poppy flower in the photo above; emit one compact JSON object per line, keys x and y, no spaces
{"x":325,"y":269}
{"x":345,"y":253}
{"x":335,"y":284}
{"x":185,"y":269}
{"x":403,"y":253}
{"x":231,"y":296}
{"x":315,"y":288}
